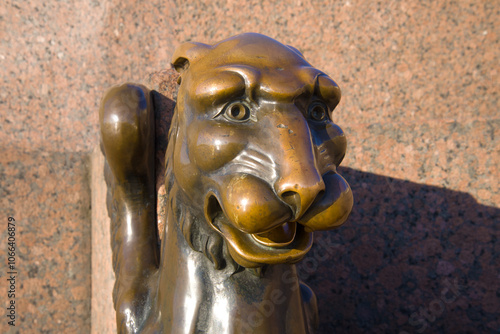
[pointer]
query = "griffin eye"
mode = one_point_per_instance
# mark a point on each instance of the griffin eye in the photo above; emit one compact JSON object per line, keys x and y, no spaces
{"x":237,"y":111}
{"x":318,"y":111}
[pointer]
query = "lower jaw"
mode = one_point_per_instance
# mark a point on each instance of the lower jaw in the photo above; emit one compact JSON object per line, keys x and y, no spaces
{"x":249,"y":253}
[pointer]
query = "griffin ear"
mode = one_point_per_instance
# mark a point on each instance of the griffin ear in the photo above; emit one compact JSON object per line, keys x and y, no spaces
{"x":188,"y":53}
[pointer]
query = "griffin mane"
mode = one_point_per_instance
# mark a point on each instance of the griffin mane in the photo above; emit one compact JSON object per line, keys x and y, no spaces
{"x":197,"y":233}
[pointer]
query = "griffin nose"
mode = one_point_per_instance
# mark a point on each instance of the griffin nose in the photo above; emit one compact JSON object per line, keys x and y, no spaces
{"x":299,"y":191}
{"x":299,"y":181}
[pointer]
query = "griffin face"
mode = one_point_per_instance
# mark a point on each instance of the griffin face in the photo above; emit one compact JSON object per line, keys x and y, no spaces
{"x":256,"y":145}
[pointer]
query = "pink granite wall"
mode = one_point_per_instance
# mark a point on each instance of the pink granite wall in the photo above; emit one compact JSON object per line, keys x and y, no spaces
{"x":420,"y":108}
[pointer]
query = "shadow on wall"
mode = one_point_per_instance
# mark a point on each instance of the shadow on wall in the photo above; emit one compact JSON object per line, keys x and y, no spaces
{"x":412,"y":258}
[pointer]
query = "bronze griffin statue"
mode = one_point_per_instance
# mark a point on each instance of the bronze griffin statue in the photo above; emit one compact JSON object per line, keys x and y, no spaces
{"x":251,"y":172}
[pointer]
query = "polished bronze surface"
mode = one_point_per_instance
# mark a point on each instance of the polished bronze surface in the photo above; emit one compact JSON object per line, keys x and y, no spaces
{"x":251,"y":172}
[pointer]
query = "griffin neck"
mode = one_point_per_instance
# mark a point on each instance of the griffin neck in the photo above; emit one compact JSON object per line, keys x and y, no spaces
{"x":195,"y":297}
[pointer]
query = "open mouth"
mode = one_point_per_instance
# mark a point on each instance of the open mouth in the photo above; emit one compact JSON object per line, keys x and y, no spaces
{"x":287,"y":243}
{"x":279,"y":236}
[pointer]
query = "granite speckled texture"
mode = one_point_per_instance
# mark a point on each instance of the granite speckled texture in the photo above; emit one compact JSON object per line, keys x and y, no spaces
{"x":48,"y":195}
{"x":414,"y":258}
{"x":420,"y":108}
{"x":103,"y":277}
